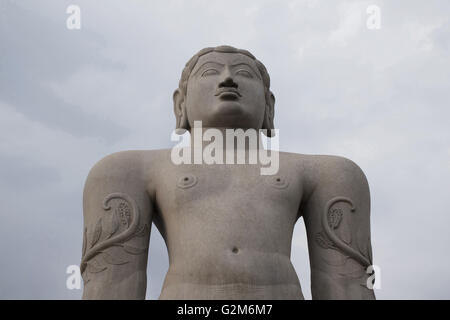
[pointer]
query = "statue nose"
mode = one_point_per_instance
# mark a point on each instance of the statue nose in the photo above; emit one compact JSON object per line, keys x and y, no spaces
{"x":228,"y":83}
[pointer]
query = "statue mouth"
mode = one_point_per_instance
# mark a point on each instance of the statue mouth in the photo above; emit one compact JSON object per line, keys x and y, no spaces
{"x":228,"y":93}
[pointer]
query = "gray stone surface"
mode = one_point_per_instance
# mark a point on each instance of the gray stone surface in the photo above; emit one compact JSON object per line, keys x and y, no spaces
{"x":228,"y":229}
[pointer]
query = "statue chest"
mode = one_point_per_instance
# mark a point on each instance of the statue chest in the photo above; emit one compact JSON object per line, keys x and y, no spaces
{"x":222,"y":188}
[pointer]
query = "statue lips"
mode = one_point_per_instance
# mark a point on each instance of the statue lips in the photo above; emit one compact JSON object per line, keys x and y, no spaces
{"x":228,"y":93}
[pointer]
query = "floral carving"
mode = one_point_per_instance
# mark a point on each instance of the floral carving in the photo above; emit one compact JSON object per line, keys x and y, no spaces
{"x":327,"y":239}
{"x":334,"y":218}
{"x":123,"y":210}
{"x":99,"y":255}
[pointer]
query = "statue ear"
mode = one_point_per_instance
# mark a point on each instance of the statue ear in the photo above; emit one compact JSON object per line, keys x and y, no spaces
{"x":268,"y":116}
{"x":179,"y":108}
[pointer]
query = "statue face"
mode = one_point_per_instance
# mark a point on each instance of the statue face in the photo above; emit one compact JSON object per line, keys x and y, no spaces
{"x":226,"y":90}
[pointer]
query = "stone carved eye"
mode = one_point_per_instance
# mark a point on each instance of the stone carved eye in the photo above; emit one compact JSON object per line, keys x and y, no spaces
{"x":278,"y":182}
{"x":244,"y":73}
{"x":187,"y":181}
{"x":210,"y":72}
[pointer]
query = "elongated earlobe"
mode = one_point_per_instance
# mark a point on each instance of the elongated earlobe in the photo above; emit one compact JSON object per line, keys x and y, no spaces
{"x":269,"y":115}
{"x":179,"y":108}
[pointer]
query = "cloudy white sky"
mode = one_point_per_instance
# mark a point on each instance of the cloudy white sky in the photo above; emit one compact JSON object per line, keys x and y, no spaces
{"x":70,"y":97}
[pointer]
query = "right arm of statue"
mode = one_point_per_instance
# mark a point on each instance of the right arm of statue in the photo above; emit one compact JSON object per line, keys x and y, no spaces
{"x":117,"y":220}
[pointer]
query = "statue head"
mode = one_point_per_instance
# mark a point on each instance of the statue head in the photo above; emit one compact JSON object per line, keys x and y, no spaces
{"x":224,"y":87}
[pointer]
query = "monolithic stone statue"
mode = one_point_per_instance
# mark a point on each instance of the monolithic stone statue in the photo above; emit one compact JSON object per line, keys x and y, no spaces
{"x":228,"y":227}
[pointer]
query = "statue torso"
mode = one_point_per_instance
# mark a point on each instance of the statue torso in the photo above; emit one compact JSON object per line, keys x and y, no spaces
{"x":228,"y":228}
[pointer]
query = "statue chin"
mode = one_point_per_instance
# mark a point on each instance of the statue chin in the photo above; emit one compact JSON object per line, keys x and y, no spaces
{"x":229,"y":108}
{"x":231,"y":114}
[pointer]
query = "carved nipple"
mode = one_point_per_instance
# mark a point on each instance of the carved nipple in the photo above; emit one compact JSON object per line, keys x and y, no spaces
{"x":187,"y":181}
{"x":278,"y":182}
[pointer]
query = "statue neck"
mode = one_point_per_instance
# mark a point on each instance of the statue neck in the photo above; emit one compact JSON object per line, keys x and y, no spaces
{"x":226,"y":138}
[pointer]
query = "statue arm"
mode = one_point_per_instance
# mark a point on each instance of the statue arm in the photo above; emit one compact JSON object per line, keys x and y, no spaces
{"x":117,"y":220}
{"x":337,"y":220}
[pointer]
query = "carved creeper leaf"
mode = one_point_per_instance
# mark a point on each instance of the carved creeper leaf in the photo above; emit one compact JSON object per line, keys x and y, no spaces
{"x":113,"y":259}
{"x":114,"y":225}
{"x":124,"y":212}
{"x":133,"y":250}
{"x":329,"y":221}
{"x":97,"y":232}
{"x":95,"y":267}
{"x":323,"y":241}
{"x":334,"y":218}
{"x":85,"y":277}
{"x":143,"y":231}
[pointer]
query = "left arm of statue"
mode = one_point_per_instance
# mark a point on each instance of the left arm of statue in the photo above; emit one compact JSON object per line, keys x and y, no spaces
{"x":337,"y":220}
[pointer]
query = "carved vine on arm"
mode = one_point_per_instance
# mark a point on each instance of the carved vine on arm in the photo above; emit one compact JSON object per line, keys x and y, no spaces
{"x":330,"y":220}
{"x":122,"y":226}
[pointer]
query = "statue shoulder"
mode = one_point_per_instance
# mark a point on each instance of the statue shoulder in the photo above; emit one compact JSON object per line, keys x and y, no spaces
{"x":320,"y":170}
{"x":340,"y":170}
{"x":115,"y":165}
{"x":131,"y":166}
{"x":326,"y":173}
{"x":126,"y":162}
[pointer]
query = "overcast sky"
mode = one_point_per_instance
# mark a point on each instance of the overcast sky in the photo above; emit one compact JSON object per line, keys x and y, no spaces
{"x":70,"y":97}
